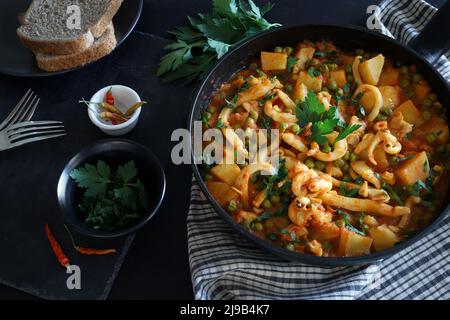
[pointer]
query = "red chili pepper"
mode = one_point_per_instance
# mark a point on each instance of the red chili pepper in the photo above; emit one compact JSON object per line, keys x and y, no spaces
{"x":62,"y":258}
{"x":109,"y":99}
{"x":89,"y":251}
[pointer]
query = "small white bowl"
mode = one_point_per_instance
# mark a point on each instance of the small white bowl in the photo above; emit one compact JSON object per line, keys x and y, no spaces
{"x":124,"y":98}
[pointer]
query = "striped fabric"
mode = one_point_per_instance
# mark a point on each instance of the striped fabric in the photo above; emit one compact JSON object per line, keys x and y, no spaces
{"x":224,"y":265}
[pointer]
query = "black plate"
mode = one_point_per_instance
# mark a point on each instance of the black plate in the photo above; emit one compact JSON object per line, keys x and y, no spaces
{"x":18,"y":61}
{"x":345,"y":37}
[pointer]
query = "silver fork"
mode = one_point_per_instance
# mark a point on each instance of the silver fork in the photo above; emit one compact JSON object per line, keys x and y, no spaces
{"x":23,"y":111}
{"x":30,"y":131}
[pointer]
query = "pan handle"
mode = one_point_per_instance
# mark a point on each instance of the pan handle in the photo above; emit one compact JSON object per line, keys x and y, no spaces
{"x":434,"y":40}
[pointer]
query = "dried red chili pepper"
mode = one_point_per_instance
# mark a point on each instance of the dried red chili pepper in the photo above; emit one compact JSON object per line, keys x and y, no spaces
{"x":109,"y":98}
{"x":89,"y":251}
{"x":60,"y":255}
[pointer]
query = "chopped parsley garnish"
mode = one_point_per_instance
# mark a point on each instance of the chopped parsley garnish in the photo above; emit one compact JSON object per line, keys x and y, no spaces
{"x":323,"y":121}
{"x":313,"y":72}
{"x":220,"y":124}
{"x":347,"y":192}
{"x":291,"y":62}
{"x":347,"y":224}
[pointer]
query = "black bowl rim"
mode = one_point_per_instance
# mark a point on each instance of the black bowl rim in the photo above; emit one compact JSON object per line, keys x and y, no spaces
{"x":78,"y":159}
{"x":277,"y":250}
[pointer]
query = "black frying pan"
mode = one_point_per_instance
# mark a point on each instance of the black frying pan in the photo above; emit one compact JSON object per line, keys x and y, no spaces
{"x":423,"y":51}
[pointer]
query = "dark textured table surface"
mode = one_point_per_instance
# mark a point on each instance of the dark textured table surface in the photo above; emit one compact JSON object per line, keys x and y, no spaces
{"x":157,"y":264}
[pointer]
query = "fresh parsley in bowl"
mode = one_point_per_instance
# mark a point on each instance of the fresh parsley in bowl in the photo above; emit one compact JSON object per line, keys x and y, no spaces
{"x":111,"y":188}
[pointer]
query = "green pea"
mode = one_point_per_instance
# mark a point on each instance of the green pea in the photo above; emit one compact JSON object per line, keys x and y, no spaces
{"x":409,"y":92}
{"x":416,"y":78}
{"x":427,"y":103}
{"x":326,"y":148}
{"x":381,"y":117}
{"x":207,"y":115}
{"x":359,"y":52}
{"x":346,"y":156}
{"x":267,"y":204}
{"x":404,"y":70}
{"x":433,"y":97}
{"x":211,"y":109}
{"x":353,"y":157}
{"x":278,"y":49}
{"x":275,"y":199}
{"x":350,"y":78}
{"x":250,"y":122}
{"x":283,"y":126}
{"x":259,"y":226}
{"x":431,"y":138}
{"x":319,"y":165}
{"x":290,"y":247}
{"x":340,"y":92}
{"x":404,"y":83}
{"x":309,"y":163}
{"x":232,"y":206}
{"x":288,"y":50}
{"x":426,"y":115}
{"x":348,"y":68}
{"x":347,"y":177}
{"x":332,"y":85}
{"x":295,"y":128}
{"x":237,"y":126}
{"x":313,"y":62}
{"x":209,"y":177}
{"x":253,"y":114}
{"x":288,"y":88}
{"x":325,"y":89}
{"x":339,"y":163}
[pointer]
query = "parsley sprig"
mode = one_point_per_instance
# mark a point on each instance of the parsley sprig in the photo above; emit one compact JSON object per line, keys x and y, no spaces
{"x":311,"y":110}
{"x":209,"y":36}
{"x":112,"y":199}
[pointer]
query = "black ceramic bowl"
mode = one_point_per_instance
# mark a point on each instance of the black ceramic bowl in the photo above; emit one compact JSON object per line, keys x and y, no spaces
{"x":114,"y":152}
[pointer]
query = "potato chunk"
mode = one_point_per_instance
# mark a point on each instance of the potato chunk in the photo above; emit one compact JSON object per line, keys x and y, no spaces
{"x":339,"y":77}
{"x":410,"y":113}
{"x":420,"y":93}
{"x":392,"y":96}
{"x":222,"y":192}
{"x":352,"y":244}
{"x":411,"y":170}
{"x":383,"y":237}
{"x":370,"y":70}
{"x":226,"y":172}
{"x":303,"y":55}
{"x":273,"y":61}
{"x":312,"y":83}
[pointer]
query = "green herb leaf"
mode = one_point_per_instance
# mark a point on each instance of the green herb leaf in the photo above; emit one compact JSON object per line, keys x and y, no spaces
{"x":348,"y":130}
{"x":291,"y":62}
{"x":94,"y":179}
{"x":127,"y":172}
{"x":212,"y":35}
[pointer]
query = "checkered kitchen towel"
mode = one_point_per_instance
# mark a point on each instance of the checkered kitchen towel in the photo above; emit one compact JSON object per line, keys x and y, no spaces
{"x":226,"y":266}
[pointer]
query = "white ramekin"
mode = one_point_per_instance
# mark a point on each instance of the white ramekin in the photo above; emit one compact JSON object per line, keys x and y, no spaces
{"x":125,"y":97}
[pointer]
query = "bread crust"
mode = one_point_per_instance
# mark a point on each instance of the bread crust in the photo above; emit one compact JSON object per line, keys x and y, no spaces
{"x":52,"y":63}
{"x":70,"y":46}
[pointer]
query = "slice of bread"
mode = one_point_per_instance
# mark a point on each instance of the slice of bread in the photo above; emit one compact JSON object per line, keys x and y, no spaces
{"x":100,"y":48}
{"x":45,"y":27}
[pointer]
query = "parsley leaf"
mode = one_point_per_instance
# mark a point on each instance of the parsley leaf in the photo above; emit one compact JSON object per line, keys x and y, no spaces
{"x":210,"y":36}
{"x":291,"y":62}
{"x":312,"y":72}
{"x":347,"y":192}
{"x":348,"y":130}
{"x":93,"y":179}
